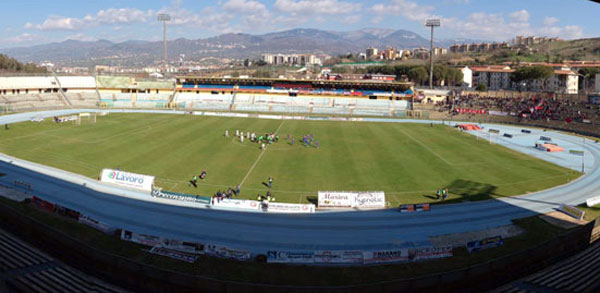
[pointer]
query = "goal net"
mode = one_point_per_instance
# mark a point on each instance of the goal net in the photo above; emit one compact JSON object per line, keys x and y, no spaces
{"x":85,"y":118}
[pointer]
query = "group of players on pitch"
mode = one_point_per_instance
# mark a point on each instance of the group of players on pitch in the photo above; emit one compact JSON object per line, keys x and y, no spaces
{"x":269,"y":138}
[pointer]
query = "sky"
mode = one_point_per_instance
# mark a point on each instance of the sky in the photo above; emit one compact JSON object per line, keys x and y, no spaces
{"x":26,"y":22}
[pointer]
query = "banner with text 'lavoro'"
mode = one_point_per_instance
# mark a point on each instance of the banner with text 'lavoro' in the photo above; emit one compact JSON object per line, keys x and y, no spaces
{"x":127,"y":179}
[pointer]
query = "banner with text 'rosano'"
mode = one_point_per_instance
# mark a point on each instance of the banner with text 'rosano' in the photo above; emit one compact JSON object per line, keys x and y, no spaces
{"x":127,"y":179}
{"x":344,"y":199}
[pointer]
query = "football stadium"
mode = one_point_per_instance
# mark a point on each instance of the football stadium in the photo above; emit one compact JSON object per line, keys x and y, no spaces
{"x":267,"y":184}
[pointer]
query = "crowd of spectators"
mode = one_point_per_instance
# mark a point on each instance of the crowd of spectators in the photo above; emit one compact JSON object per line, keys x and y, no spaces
{"x":540,"y":107}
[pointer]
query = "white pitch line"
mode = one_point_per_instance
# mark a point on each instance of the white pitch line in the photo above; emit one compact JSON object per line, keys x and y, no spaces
{"x":259,"y":156}
{"x":426,"y":147}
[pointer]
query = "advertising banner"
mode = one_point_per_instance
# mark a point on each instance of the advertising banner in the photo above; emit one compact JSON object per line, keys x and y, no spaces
{"x":338,"y":257}
{"x":470,"y":111}
{"x":140,"y":238}
{"x":127,"y":179}
{"x":290,"y":257}
{"x":242,"y":204}
{"x":276,"y":207}
{"x":188,"y":247}
{"x":226,"y":252}
{"x":386,"y":256}
{"x":173,"y":254}
{"x":430,"y":252}
{"x":368,"y":199}
{"x":46,"y":205}
{"x":336,"y":199}
{"x":486,"y":243}
{"x":180,"y":196}
{"x":94,"y":224}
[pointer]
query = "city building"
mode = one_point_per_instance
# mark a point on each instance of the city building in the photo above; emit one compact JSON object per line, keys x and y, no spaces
{"x":482,"y":47}
{"x":532,"y":40}
{"x":497,"y":77}
{"x":290,"y":59}
{"x":439,"y":51}
{"x":372,"y":53}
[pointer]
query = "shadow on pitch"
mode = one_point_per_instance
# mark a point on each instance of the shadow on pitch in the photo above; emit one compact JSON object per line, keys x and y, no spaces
{"x":313,"y":199}
{"x":467,"y":191}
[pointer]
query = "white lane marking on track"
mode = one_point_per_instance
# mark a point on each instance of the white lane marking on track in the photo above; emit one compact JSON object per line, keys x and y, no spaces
{"x":259,"y":156}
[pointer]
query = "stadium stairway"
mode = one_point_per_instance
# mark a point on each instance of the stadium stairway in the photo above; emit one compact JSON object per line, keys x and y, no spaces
{"x":62,"y":92}
{"x":580,"y":273}
{"x":26,"y":269}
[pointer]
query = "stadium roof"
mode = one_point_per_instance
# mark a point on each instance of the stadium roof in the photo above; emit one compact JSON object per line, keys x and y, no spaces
{"x":338,"y":84}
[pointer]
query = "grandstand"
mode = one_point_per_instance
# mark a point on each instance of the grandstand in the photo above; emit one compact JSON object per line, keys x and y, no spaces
{"x":576,"y":274}
{"x":245,"y":95}
{"x":26,"y":269}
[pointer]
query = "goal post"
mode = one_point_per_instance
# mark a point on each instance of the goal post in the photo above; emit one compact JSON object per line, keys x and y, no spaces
{"x":85,"y":118}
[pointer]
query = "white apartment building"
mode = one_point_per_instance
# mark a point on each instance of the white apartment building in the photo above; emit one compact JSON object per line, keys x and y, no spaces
{"x":291,"y":59}
{"x":497,"y":77}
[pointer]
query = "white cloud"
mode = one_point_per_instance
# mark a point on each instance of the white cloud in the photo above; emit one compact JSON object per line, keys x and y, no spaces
{"x":81,"y":37}
{"x":313,"y":7}
{"x":408,"y":9}
{"x":109,"y":16}
{"x":549,"y":20}
{"x":497,"y":27}
{"x":22,"y":38}
{"x":351,"y":19}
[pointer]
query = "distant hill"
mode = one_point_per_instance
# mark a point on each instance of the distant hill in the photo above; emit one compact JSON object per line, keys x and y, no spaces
{"x":72,"y":52}
{"x":11,"y":65}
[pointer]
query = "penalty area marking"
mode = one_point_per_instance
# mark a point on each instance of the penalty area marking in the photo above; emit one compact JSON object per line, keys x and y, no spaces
{"x":259,"y":156}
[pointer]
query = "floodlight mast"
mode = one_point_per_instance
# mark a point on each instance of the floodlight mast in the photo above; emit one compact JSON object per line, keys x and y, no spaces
{"x":431,"y":23}
{"x":164,"y":18}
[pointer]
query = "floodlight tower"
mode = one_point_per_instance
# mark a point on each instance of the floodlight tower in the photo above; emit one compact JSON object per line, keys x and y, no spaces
{"x":431,"y":23}
{"x":164,"y":18}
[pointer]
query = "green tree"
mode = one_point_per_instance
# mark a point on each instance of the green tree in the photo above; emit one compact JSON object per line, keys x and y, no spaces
{"x":481,"y":87}
{"x":587,"y":74}
{"x":532,"y":73}
{"x":418,"y":74}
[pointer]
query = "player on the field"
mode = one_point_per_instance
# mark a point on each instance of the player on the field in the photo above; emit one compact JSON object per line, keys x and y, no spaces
{"x":203,"y":174}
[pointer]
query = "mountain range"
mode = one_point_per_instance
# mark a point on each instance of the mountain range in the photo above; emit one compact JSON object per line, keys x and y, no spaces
{"x":300,"y":40}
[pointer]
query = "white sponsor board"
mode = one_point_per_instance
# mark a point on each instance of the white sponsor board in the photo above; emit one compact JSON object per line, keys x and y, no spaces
{"x":220,"y":114}
{"x":430,"y":252}
{"x":132,"y":180}
{"x":189,"y":247}
{"x":290,"y":257}
{"x":370,"y":199}
{"x":173,"y":254}
{"x":242,"y":204}
{"x":226,"y":252}
{"x":338,"y":256}
{"x":141,"y":238}
{"x":94,"y":223}
{"x":276,"y":207}
{"x":274,"y":117}
{"x":341,"y":199}
{"x":590,"y":202}
{"x":386,"y":256}
{"x":336,"y":199}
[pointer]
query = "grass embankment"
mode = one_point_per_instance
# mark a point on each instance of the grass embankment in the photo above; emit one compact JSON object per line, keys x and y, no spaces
{"x":407,"y":161}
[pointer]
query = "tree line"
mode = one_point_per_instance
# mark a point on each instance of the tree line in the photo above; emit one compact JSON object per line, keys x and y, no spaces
{"x":8,"y":64}
{"x":419,"y":74}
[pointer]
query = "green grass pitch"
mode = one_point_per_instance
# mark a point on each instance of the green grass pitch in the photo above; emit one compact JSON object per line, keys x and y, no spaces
{"x":407,"y":161}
